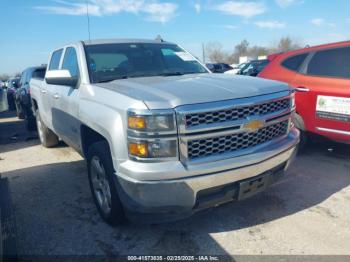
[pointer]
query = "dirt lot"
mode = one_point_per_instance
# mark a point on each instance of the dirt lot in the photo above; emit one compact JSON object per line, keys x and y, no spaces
{"x":306,"y":213}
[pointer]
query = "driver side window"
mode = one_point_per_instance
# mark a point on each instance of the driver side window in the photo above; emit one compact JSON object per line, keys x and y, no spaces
{"x":70,"y":62}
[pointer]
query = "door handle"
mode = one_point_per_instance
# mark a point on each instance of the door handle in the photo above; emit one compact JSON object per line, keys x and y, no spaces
{"x":302,"y":89}
{"x":56,"y":96}
{"x":43,"y":91}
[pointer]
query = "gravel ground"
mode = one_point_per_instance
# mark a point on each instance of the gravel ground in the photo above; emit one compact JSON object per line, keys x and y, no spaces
{"x":306,"y":213}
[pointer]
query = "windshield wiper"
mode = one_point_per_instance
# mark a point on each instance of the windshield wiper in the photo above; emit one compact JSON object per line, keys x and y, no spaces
{"x":112,"y":79}
{"x":177,"y":73}
{"x":172,"y":74}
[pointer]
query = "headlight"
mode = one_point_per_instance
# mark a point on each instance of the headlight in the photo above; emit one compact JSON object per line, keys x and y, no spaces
{"x":151,"y":123}
{"x":153,"y":149}
{"x":292,"y":101}
{"x":152,"y":135}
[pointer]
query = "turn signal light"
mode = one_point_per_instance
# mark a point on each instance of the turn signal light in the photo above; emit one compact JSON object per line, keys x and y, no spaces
{"x":136,"y":122}
{"x":138,"y":149}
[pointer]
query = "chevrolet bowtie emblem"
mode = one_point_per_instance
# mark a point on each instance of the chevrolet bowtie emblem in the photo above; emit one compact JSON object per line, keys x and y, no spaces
{"x":254,"y":125}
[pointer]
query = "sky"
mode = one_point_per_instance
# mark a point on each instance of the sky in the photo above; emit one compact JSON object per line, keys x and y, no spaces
{"x":30,"y":29}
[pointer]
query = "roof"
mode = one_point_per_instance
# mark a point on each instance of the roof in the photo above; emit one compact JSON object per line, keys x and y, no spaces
{"x":122,"y":41}
{"x":311,"y":49}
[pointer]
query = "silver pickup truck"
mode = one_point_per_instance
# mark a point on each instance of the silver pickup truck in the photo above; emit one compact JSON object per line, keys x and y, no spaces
{"x":163,"y":137}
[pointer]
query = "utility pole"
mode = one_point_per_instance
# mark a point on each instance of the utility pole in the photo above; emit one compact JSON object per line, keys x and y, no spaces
{"x":88,"y":18}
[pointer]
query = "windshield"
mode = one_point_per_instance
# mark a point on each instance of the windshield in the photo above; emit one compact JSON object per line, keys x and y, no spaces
{"x":108,"y":62}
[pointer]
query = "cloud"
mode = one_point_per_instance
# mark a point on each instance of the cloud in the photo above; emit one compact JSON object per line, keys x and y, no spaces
{"x":153,"y":10}
{"x":287,"y":3}
{"x":321,"y":22}
{"x":198,"y":8}
{"x":270,"y":24}
{"x":245,"y":9}
{"x":229,"y":27}
{"x":160,"y":12}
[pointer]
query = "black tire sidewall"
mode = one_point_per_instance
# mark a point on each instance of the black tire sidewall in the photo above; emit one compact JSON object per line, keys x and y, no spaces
{"x":102,"y":151}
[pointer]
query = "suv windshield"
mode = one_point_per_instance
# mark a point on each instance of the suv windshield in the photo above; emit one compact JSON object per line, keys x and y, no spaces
{"x":108,"y":62}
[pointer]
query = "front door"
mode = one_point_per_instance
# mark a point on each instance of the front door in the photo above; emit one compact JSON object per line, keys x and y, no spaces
{"x":323,"y":99}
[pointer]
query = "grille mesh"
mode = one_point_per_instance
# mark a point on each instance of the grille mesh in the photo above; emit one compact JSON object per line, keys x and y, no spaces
{"x":231,"y":143}
{"x":236,"y":113}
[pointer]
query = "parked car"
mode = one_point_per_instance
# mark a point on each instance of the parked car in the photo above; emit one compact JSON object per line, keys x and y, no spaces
{"x":163,"y":137}
{"x":3,"y":98}
{"x":218,"y":67}
{"x":236,"y":69}
{"x":12,"y":85}
{"x":321,"y":75}
{"x":22,"y":96}
{"x":253,"y":67}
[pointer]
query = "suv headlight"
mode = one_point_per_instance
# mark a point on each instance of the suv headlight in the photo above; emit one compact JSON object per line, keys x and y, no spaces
{"x":152,"y":135}
{"x":151,"y":123}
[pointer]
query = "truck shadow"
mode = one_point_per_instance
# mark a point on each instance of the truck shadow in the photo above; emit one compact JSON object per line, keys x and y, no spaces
{"x":13,"y":133}
{"x":56,"y":215}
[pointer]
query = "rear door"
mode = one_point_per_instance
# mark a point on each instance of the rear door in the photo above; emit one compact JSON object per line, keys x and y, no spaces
{"x":65,"y":113}
{"x":323,"y":99}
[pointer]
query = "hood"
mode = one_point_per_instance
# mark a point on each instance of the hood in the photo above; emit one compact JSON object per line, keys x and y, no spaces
{"x":169,"y":92}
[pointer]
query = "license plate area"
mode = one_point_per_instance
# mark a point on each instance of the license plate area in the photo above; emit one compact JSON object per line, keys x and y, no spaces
{"x":253,"y":186}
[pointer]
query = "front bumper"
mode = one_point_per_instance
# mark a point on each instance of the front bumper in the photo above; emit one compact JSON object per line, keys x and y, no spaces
{"x":172,"y":199}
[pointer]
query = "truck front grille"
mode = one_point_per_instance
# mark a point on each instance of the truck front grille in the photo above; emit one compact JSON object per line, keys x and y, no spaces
{"x":234,"y":114}
{"x":230,"y":143}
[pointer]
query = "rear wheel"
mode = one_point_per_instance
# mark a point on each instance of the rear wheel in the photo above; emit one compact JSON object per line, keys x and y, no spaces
{"x":31,"y":123}
{"x":19,"y":111}
{"x":102,"y":184}
{"x":46,"y":136}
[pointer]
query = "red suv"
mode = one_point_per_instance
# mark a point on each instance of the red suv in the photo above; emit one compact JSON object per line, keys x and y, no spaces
{"x":321,"y":76}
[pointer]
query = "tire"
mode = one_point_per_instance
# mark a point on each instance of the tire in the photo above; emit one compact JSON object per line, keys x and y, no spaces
{"x":304,"y":140}
{"x":31,"y":124}
{"x":103,"y":184}
{"x":47,"y":137}
{"x":19,"y":111}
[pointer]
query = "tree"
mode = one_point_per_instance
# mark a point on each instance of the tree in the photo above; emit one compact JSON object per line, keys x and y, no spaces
{"x":256,"y":51}
{"x":4,"y":77}
{"x":286,"y":44}
{"x":242,"y":48}
{"x":215,"y":53}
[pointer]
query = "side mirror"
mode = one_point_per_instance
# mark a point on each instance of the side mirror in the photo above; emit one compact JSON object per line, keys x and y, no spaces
{"x":61,"y":77}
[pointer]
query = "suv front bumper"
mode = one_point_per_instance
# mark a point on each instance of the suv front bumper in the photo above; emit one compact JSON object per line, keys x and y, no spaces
{"x":164,"y":200}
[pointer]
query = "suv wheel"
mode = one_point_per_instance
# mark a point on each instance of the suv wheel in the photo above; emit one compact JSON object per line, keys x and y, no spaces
{"x":102,"y":183}
{"x":46,"y":136}
{"x":19,"y":111}
{"x":299,"y":123}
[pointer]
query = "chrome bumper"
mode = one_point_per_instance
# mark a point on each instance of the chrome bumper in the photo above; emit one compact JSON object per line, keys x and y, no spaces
{"x":176,"y":198}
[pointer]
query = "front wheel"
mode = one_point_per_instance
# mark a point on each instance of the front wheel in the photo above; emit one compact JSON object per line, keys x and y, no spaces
{"x":46,"y":136}
{"x":299,"y":123}
{"x":102,"y":184}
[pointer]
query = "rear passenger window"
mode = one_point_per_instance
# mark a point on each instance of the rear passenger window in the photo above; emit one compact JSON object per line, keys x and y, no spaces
{"x":39,"y":73}
{"x":293,"y":63}
{"x":70,"y":61}
{"x":331,"y":63}
{"x":55,"y":60}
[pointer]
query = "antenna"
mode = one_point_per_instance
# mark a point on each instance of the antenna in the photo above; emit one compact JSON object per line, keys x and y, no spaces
{"x":203,"y":53}
{"x":88,"y":17}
